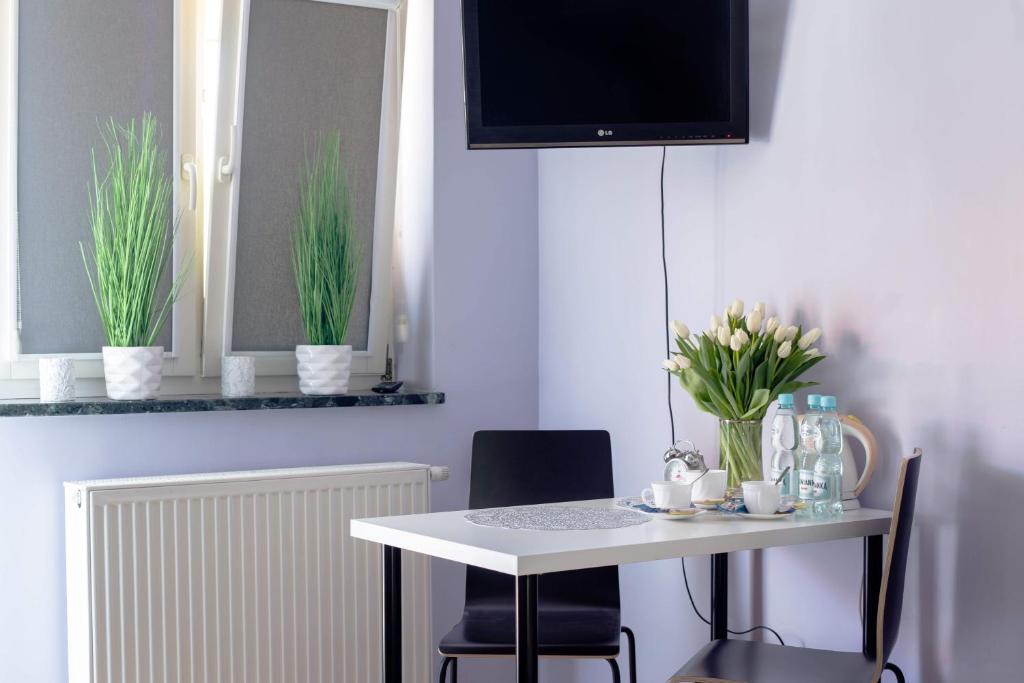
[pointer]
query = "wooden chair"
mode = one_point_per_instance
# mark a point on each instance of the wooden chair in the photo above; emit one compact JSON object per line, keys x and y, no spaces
{"x":578,"y":611}
{"x":743,"y":661}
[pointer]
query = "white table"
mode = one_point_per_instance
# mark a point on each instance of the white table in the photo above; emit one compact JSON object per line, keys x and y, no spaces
{"x":526,"y":554}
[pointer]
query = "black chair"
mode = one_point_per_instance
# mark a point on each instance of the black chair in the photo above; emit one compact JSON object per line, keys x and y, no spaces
{"x":742,"y":661}
{"x":578,"y":611}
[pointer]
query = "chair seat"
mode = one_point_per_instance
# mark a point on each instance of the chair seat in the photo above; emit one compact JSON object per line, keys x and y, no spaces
{"x":743,"y":661}
{"x":562,"y":631}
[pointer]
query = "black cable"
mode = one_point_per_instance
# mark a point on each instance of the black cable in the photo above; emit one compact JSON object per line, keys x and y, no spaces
{"x":664,"y":271}
{"x":668,"y":385}
{"x":700,"y":616}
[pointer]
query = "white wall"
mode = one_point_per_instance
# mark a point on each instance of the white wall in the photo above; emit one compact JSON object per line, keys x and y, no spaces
{"x":462,"y":309}
{"x":882,"y":200}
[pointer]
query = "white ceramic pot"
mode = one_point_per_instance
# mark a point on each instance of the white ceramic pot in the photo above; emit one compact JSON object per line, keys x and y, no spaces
{"x":238,"y":376}
{"x":133,"y":373}
{"x":323,"y":370}
{"x":56,"y":380}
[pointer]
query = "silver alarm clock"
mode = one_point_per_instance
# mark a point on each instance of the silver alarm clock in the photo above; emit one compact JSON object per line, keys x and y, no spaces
{"x":681,"y":458}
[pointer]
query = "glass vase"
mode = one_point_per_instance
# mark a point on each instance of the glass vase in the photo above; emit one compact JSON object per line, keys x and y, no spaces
{"x":740,"y":451}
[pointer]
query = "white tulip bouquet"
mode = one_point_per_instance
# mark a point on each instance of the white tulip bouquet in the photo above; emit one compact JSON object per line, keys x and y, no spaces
{"x":735,"y":369}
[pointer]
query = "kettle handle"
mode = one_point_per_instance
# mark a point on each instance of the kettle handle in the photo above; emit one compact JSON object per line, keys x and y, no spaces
{"x":858,"y":430}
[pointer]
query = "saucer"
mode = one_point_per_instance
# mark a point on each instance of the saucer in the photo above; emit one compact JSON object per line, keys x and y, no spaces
{"x":710,"y":504}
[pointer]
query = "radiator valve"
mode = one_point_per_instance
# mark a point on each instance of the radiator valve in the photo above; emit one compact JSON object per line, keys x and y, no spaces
{"x":439,"y":473}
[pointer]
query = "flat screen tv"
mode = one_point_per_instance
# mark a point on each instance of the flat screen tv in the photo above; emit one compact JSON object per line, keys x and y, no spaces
{"x":581,"y":73}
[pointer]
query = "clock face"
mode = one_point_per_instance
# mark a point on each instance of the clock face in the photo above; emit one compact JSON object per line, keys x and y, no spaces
{"x":675,"y":470}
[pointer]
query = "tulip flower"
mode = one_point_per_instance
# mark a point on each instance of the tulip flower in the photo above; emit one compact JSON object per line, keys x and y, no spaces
{"x":736,"y":309}
{"x":681,"y":331}
{"x":809,"y":338}
{"x":813,"y":353}
{"x":771,"y":325}
{"x":780,"y":334}
{"x":735,"y":343}
{"x":791,"y":332}
{"x":759,"y":307}
{"x":716,"y":322}
{"x":682,"y":362}
{"x":723,"y":335}
{"x":785,"y":349}
{"x":670,"y":365}
{"x":743,"y":336}
{"x":754,"y":321}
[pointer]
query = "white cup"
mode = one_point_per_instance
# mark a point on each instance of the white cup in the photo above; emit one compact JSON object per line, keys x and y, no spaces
{"x":56,"y":380}
{"x":710,"y":487}
{"x":761,"y":497}
{"x":667,"y":495}
{"x":238,"y":376}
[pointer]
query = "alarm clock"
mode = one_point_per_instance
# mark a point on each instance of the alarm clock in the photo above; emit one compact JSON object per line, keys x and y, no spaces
{"x":681,"y":458}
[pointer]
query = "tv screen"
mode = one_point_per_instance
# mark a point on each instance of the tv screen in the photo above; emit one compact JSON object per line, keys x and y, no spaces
{"x":574,"y":73}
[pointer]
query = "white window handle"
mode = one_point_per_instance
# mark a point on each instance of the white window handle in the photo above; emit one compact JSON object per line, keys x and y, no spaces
{"x":190,"y":173}
{"x":226,"y":165}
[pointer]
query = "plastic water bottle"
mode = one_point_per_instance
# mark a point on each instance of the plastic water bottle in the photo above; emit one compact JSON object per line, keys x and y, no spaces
{"x":828,"y":470}
{"x":807,"y":455}
{"x":784,"y":436}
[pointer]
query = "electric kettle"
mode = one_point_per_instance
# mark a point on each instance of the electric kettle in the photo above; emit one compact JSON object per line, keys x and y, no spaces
{"x":855,"y":481}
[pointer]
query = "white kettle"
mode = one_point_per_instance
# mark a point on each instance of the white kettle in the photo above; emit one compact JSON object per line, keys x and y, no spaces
{"x":854,"y":481}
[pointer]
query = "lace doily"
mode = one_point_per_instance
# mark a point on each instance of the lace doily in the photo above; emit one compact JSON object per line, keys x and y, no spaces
{"x":556,"y":518}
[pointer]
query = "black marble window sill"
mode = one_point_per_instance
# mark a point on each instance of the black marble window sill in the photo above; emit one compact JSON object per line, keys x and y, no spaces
{"x":211,"y":403}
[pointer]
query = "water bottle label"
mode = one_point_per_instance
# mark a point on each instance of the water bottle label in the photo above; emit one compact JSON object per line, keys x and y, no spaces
{"x":806,"y":484}
{"x":821,"y":486}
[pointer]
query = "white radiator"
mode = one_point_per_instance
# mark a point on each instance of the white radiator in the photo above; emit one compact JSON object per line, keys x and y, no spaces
{"x":247,"y":577}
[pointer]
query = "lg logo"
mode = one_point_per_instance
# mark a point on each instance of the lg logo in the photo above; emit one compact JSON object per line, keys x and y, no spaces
{"x":602,"y":133}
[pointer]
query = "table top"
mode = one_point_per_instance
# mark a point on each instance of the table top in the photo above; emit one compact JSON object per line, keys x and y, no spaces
{"x":522,"y":552}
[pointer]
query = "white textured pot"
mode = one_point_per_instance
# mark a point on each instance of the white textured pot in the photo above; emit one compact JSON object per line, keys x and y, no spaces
{"x":133,"y":373}
{"x":324,"y":369}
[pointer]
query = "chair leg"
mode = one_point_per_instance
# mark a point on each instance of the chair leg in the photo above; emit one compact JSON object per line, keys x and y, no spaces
{"x":616,"y":678}
{"x":443,"y":678}
{"x":896,"y":672}
{"x":455,"y":670}
{"x":631,"y":644}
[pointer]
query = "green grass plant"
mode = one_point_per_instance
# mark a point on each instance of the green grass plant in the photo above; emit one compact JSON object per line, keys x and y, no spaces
{"x":326,"y":255}
{"x":133,"y":236}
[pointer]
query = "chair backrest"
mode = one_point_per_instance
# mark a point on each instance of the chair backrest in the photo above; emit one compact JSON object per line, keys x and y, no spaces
{"x":894,"y":570}
{"x":535,"y":467}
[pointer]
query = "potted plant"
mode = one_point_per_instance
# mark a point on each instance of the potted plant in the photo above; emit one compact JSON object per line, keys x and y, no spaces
{"x":735,"y":369}
{"x":326,"y":259}
{"x":132,"y":249}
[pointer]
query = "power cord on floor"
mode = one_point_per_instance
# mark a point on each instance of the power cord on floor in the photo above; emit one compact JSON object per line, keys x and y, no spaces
{"x":668,"y":393}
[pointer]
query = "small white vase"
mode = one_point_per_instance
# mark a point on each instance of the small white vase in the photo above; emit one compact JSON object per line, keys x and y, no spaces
{"x":133,"y":373}
{"x":323,"y":370}
{"x":56,"y":380}
{"x":238,"y":376}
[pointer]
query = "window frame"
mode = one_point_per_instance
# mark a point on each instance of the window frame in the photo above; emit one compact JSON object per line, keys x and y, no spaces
{"x":183,"y":359}
{"x":219,"y":269}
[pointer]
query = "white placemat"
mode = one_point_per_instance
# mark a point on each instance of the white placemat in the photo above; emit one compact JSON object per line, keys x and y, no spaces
{"x":556,"y":517}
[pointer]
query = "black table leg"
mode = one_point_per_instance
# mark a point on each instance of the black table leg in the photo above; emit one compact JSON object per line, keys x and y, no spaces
{"x":719,"y":596}
{"x":872,"y":589}
{"x":391,"y":664}
{"x":526,"y":629}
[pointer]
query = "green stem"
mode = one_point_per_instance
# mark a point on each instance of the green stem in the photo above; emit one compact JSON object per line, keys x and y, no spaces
{"x":740,"y":454}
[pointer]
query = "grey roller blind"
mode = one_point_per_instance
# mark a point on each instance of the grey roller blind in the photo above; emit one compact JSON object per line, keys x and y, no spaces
{"x":310,"y":66}
{"x":79,"y":63}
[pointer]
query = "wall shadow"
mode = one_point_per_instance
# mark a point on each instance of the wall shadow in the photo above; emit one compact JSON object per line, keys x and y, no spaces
{"x":769,"y":20}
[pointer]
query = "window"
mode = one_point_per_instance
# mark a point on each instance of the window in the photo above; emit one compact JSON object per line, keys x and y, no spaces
{"x":239,"y":87}
{"x":289,"y":70}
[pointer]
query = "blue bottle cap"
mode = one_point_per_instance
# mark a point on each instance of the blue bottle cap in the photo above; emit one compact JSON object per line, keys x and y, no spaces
{"x":814,"y":401}
{"x":828,"y":402}
{"x":785,"y":400}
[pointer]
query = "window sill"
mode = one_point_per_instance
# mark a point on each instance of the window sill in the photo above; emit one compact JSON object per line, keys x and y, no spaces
{"x":212,"y":403}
